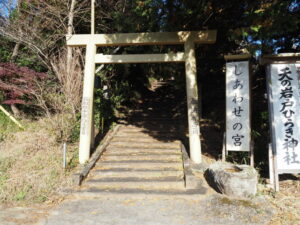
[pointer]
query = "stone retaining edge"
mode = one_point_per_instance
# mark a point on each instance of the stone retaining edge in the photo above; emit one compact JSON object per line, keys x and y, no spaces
{"x":84,"y":170}
{"x":191,"y":181}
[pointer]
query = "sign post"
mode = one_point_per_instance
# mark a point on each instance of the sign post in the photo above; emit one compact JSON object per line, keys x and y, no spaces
{"x":283,"y":83}
{"x":238,"y":111}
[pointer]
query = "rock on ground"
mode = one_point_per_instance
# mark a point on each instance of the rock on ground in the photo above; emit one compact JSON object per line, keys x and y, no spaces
{"x":233,"y":180}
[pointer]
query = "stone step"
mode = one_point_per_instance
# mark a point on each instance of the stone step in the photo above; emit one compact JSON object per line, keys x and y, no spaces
{"x":138,"y":193}
{"x":132,"y":152}
{"x":142,"y":139}
{"x":138,"y":165}
{"x":148,"y":174}
{"x":157,"y":126}
{"x":154,"y":126}
{"x":120,"y":170}
{"x":136,"y":120}
{"x":137,"y":183}
{"x":171,"y":158}
{"x":145,"y":145}
{"x":149,"y":109}
{"x":136,"y":149}
{"x":152,"y":134}
{"x":148,"y":118}
{"x":136,"y":134}
{"x":152,"y":116}
{"x":148,"y":129}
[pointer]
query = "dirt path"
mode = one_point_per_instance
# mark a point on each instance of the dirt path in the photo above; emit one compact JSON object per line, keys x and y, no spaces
{"x":213,"y":210}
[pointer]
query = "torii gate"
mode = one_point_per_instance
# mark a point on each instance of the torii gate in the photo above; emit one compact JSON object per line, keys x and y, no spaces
{"x":187,"y":38}
{"x":92,"y":41}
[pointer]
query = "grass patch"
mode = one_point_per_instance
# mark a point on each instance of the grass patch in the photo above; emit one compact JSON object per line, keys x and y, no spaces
{"x":31,"y":166}
{"x":5,"y":164}
{"x":238,"y":202}
{"x":21,"y":195}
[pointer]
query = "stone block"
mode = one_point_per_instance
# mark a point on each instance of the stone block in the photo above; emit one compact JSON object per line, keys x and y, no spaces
{"x":232,"y":180}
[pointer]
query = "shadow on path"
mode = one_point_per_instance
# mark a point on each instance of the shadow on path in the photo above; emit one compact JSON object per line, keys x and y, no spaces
{"x":163,"y":115}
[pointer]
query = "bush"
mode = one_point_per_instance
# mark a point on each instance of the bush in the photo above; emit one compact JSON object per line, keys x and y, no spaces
{"x":18,"y":84}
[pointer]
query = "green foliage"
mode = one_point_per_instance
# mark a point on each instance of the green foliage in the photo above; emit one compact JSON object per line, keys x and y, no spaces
{"x":75,"y":132}
{"x":25,"y":56}
{"x":275,"y":24}
{"x":133,"y":16}
{"x":5,"y":49}
{"x":73,"y":162}
{"x":238,"y":157}
{"x":20,"y":195}
{"x":4,"y":54}
{"x":108,"y":101}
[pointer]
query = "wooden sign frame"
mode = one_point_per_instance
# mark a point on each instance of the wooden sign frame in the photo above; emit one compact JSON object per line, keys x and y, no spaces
{"x":225,"y":150}
{"x":269,"y":60}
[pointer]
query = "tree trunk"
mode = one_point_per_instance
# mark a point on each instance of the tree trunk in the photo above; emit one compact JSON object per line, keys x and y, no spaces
{"x":15,"y":110}
{"x":15,"y":52}
{"x":14,"y":55}
{"x":69,"y":32}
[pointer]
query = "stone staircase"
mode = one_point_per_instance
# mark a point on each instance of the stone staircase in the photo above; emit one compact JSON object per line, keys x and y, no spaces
{"x":143,"y":158}
{"x":137,"y":164}
{"x":134,"y":161}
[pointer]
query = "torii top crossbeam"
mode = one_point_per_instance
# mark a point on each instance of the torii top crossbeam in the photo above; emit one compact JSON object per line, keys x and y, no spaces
{"x":157,"y":38}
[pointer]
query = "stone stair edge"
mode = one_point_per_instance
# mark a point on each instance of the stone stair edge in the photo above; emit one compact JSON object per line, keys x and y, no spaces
{"x":131,"y":191}
{"x":147,"y":174}
{"x":83,"y":171}
{"x":116,"y":148}
{"x":134,"y":169}
{"x":164,"y":162}
{"x":136,"y":180}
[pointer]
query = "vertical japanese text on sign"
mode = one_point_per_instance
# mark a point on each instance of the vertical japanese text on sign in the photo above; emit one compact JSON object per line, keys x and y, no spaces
{"x":237,"y":106}
{"x":286,"y":118}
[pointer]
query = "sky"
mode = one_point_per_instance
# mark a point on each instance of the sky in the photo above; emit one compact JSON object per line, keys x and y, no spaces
{"x":6,"y":6}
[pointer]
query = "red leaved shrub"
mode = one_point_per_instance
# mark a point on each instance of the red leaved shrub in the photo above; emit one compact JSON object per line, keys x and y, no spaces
{"x":18,"y":83}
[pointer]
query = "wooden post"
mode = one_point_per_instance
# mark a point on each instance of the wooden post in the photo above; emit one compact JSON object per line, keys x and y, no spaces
{"x":271,"y":166}
{"x":276,"y":175}
{"x":192,"y":101}
{"x":92,"y":16}
{"x":87,"y":104}
{"x":224,"y":154}
{"x":252,"y":153}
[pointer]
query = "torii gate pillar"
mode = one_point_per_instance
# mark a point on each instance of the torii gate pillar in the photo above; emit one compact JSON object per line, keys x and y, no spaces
{"x":87,"y":105}
{"x":192,"y":101}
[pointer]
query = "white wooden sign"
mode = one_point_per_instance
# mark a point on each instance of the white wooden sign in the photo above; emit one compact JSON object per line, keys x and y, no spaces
{"x":284,"y":102}
{"x":237,"y":106}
